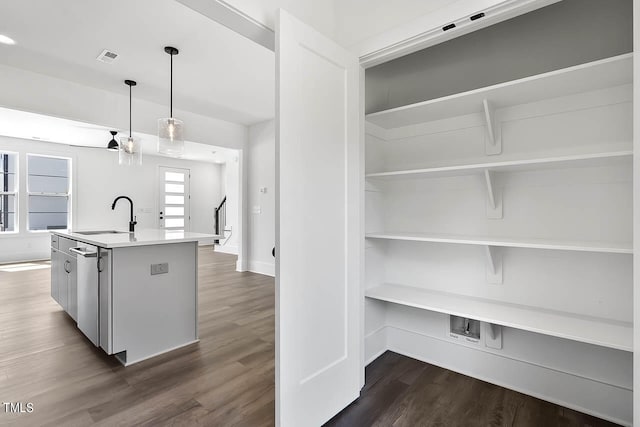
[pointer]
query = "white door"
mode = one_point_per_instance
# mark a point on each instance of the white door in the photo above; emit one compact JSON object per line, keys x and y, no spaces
{"x":173,"y":199}
{"x":318,"y":236}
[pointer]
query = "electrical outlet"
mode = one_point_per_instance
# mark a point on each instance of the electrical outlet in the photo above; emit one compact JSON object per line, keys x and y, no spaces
{"x":162,"y":268}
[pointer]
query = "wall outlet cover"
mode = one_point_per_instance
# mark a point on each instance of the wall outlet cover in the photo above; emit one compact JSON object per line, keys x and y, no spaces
{"x":162,"y":268}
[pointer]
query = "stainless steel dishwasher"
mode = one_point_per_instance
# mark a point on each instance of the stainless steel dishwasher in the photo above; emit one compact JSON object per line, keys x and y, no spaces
{"x":88,"y":292}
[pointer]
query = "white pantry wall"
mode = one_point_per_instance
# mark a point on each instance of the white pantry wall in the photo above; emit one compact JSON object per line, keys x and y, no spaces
{"x":97,"y":180}
{"x":261,"y":204}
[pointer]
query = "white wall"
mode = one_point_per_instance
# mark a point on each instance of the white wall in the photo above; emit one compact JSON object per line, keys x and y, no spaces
{"x":96,"y":181}
{"x":636,"y":214}
{"x":38,"y":93}
{"x":261,"y":206}
{"x":318,"y":14}
{"x":359,"y":20}
{"x":230,"y":176}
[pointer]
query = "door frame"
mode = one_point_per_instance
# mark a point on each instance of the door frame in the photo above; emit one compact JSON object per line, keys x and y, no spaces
{"x":157,"y":197}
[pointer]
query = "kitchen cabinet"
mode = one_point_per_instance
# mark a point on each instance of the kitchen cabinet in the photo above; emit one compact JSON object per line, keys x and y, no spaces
{"x":71,"y":278}
{"x":134,"y":295}
{"x":63,"y":274}
{"x":55,"y":275}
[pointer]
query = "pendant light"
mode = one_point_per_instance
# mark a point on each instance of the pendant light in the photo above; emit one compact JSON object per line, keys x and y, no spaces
{"x":130,"y":149}
{"x":170,"y":139}
{"x":113,"y":144}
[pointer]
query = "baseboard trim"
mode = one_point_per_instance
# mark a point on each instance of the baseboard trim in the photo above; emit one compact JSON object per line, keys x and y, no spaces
{"x":375,"y":344}
{"x":430,"y":350}
{"x":127,"y":363}
{"x":24,"y":257}
{"x":266,"y":268}
{"x":241,"y":265}
{"x":233,"y":250}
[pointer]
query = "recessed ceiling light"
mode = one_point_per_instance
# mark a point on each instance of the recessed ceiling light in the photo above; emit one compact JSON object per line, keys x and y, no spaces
{"x":6,"y":40}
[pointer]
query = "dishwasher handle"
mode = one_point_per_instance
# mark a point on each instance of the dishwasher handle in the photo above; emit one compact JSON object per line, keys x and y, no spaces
{"x":84,"y":252}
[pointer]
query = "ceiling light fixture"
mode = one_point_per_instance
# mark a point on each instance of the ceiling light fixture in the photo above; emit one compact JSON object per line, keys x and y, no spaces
{"x":113,"y":144}
{"x":6,"y":40}
{"x":170,"y":130}
{"x":130,"y":149}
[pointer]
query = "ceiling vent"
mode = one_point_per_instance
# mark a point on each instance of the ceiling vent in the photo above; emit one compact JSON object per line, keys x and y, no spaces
{"x":107,"y":56}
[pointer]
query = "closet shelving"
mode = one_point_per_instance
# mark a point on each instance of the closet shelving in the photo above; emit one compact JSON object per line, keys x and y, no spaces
{"x":591,"y":76}
{"x":592,"y":330}
{"x":585,"y":78}
{"x":576,"y":160}
{"x":531,"y":243}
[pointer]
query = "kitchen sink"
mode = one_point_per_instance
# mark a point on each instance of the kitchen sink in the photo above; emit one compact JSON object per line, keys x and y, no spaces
{"x":90,"y":233}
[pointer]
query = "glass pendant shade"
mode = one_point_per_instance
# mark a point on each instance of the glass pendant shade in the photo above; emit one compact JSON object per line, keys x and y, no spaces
{"x":130,"y":151}
{"x":170,"y":137}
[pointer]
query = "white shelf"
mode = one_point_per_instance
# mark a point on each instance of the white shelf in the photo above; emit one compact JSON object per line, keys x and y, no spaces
{"x":592,"y":330}
{"x":591,"y":76}
{"x":582,"y":246}
{"x":575,"y":160}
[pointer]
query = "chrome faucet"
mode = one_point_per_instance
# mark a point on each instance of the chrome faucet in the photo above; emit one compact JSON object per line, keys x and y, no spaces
{"x":132,"y":220}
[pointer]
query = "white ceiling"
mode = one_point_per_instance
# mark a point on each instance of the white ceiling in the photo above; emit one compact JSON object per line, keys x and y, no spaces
{"x":218,"y":73}
{"x":20,"y":124}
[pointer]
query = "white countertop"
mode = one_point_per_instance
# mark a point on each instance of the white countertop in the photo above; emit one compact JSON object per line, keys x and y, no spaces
{"x":138,"y":238}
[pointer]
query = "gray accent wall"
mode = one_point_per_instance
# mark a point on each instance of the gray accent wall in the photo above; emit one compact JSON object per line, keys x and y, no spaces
{"x":563,"y":34}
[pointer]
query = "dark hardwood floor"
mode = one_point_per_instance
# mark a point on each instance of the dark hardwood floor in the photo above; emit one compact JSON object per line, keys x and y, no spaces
{"x":401,"y":391}
{"x":227,"y":379}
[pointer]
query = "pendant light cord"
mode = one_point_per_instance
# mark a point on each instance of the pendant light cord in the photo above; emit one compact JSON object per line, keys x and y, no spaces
{"x":171,"y":89}
{"x":129,"y":111}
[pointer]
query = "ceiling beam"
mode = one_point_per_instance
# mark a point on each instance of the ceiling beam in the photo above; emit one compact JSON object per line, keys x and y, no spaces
{"x":232,"y":18}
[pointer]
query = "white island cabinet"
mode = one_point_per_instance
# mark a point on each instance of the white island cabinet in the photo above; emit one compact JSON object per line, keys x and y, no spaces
{"x":135,"y":295}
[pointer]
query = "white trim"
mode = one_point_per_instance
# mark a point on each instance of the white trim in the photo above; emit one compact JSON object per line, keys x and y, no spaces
{"x":431,"y":352}
{"x":127,"y":363}
{"x":412,"y":37}
{"x":266,"y":268}
{"x":375,"y":344}
{"x":232,"y":250}
{"x":241,"y":265}
{"x":234,"y":19}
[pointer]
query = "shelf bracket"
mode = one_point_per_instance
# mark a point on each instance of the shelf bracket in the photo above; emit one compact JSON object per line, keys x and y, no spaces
{"x":493,"y":336}
{"x":493,"y":140}
{"x":494,"y":196}
{"x":494,"y":265}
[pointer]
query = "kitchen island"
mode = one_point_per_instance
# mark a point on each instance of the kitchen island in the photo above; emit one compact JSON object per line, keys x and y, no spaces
{"x":133,"y":294}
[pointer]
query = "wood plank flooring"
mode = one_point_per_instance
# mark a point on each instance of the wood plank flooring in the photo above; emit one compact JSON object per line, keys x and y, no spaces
{"x":225,"y":380}
{"x":401,"y":391}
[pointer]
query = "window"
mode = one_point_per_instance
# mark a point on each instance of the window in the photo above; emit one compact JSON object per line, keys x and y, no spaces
{"x":8,"y":188}
{"x":48,"y":192}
